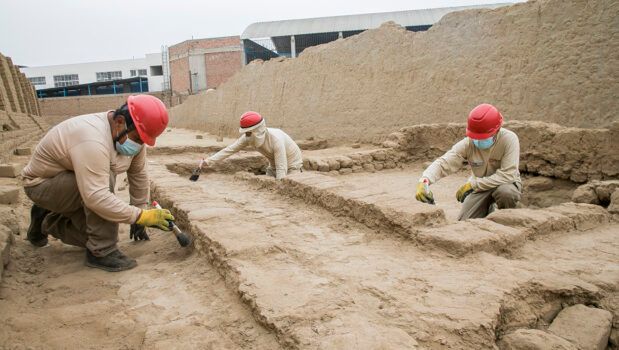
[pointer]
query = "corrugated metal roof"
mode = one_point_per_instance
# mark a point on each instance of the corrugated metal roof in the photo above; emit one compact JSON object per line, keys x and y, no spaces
{"x":352,"y":22}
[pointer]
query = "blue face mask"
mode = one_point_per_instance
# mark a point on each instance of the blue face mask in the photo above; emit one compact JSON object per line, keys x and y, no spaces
{"x":129,"y":148}
{"x":485,"y":143}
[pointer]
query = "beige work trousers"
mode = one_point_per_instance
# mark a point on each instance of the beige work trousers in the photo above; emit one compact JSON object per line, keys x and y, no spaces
{"x":477,"y":204}
{"x":69,"y":220}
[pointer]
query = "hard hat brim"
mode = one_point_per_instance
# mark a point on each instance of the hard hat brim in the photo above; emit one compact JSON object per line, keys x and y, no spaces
{"x":248,"y":129}
{"x":480,"y":136}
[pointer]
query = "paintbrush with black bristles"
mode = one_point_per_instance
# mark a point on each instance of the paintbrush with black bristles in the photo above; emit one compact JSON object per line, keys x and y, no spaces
{"x":195,"y":174}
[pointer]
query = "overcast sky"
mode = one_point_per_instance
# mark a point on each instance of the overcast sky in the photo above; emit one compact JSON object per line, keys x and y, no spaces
{"x":48,"y":32}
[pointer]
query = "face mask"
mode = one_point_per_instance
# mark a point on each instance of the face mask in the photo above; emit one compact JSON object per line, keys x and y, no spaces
{"x":128,"y":148}
{"x":485,"y":143}
{"x":259,"y":136}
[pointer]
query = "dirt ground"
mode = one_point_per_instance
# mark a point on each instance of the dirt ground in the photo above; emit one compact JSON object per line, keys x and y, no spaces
{"x":173,"y":299}
{"x":269,"y":270}
{"x":353,"y":287}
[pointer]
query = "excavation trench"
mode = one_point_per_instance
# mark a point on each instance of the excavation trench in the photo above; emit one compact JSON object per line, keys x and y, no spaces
{"x":314,"y":278}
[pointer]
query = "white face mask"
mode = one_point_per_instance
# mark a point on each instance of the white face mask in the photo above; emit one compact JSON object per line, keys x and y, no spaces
{"x":258,"y":136}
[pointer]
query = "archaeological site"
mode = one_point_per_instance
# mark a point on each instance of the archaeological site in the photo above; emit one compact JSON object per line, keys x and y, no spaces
{"x":341,"y":252}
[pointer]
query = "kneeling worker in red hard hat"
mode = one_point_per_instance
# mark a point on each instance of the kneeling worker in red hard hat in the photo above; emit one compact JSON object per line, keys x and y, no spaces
{"x":72,"y":173}
{"x":283,"y":153}
{"x":493,"y":153}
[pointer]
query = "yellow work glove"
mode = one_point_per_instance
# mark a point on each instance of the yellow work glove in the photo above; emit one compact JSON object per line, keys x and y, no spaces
{"x":464,"y":191}
{"x":423,"y":191}
{"x":159,"y":218}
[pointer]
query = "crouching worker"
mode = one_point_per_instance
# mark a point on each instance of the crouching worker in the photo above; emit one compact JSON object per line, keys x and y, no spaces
{"x":493,"y":154}
{"x":283,"y":154}
{"x":72,"y":173}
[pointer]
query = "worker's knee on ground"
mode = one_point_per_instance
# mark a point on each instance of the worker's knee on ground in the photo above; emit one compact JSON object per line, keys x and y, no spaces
{"x":506,"y":196}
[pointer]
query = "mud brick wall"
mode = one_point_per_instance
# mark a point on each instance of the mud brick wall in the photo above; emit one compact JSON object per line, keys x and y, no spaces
{"x":545,"y":149}
{"x":59,"y":108}
{"x":16,"y":93}
{"x":20,"y":124}
{"x":547,"y":60}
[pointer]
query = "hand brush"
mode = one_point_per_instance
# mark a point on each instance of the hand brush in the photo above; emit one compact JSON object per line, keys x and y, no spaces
{"x":182,"y":238}
{"x":195,"y":174}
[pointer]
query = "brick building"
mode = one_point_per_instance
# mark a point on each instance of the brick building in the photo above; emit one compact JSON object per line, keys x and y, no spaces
{"x":201,"y":64}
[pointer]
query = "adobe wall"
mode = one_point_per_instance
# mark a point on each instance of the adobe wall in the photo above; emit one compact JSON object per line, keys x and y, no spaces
{"x":549,"y":60}
{"x":16,"y":93}
{"x":59,"y":108}
{"x":546,"y":149}
{"x":20,"y":123}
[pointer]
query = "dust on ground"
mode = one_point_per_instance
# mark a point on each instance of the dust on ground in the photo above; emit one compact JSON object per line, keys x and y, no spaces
{"x":294,"y":274}
{"x":173,"y":299}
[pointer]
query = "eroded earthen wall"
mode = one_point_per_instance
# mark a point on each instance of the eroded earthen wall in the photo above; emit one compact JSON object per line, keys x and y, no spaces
{"x":549,"y":60}
{"x":20,"y":123}
{"x":545,"y":149}
{"x":59,"y":108}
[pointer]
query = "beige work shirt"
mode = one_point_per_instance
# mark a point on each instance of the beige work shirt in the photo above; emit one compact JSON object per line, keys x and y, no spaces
{"x":279,"y":148}
{"x":491,"y":167}
{"x":84,"y":145}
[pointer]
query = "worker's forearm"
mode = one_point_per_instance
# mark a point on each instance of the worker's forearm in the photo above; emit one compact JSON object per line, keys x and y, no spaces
{"x":493,"y":181}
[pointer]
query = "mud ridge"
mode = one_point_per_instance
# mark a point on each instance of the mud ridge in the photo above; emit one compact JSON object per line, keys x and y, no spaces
{"x":218,"y":256}
{"x":502,"y":233}
{"x":371,"y":209}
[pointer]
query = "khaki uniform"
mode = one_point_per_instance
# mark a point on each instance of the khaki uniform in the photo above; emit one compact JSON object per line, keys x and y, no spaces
{"x":495,"y":176}
{"x":283,"y":154}
{"x":72,"y":173}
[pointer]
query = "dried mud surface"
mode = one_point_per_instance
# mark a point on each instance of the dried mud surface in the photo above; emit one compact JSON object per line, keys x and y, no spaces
{"x":318,"y":261}
{"x":318,"y":279}
{"x":173,"y":299}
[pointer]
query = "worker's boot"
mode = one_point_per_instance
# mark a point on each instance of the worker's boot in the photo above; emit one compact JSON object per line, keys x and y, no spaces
{"x":35,"y":233}
{"x":113,"y":262}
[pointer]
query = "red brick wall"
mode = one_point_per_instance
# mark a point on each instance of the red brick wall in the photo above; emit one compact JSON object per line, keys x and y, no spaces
{"x":179,"y":75}
{"x":221,"y":66}
{"x":208,"y":43}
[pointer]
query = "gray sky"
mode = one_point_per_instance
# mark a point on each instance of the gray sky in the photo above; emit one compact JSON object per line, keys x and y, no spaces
{"x":47,"y":32}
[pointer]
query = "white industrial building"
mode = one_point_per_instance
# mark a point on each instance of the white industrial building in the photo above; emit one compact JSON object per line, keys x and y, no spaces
{"x":288,"y":38}
{"x":145,"y":74}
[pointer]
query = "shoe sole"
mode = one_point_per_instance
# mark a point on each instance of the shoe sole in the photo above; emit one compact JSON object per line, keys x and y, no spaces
{"x":112,"y":269}
{"x":39,"y":243}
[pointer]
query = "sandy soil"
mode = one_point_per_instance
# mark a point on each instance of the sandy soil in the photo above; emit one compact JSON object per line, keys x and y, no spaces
{"x":173,"y":300}
{"x":325,"y":281}
{"x":183,"y":137}
{"x":269,"y":271}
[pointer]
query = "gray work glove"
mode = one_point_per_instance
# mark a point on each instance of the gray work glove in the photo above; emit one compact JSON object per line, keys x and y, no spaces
{"x":138,"y":233}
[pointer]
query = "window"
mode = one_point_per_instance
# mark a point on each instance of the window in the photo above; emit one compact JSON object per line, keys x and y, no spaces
{"x":66,"y":80}
{"x":138,"y":72}
{"x":156,"y":70}
{"x":37,"y":80}
{"x":107,"y":76}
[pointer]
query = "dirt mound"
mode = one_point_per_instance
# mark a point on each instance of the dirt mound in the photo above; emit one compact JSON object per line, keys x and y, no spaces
{"x":542,"y":60}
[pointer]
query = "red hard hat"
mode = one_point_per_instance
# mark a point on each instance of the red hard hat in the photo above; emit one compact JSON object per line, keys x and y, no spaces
{"x":484,"y":121}
{"x":250,"y":120}
{"x":149,"y":115}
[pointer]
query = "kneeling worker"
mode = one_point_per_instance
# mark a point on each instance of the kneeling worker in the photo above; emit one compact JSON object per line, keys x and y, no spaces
{"x":493,"y":154}
{"x":72,"y":173}
{"x":283,"y":154}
